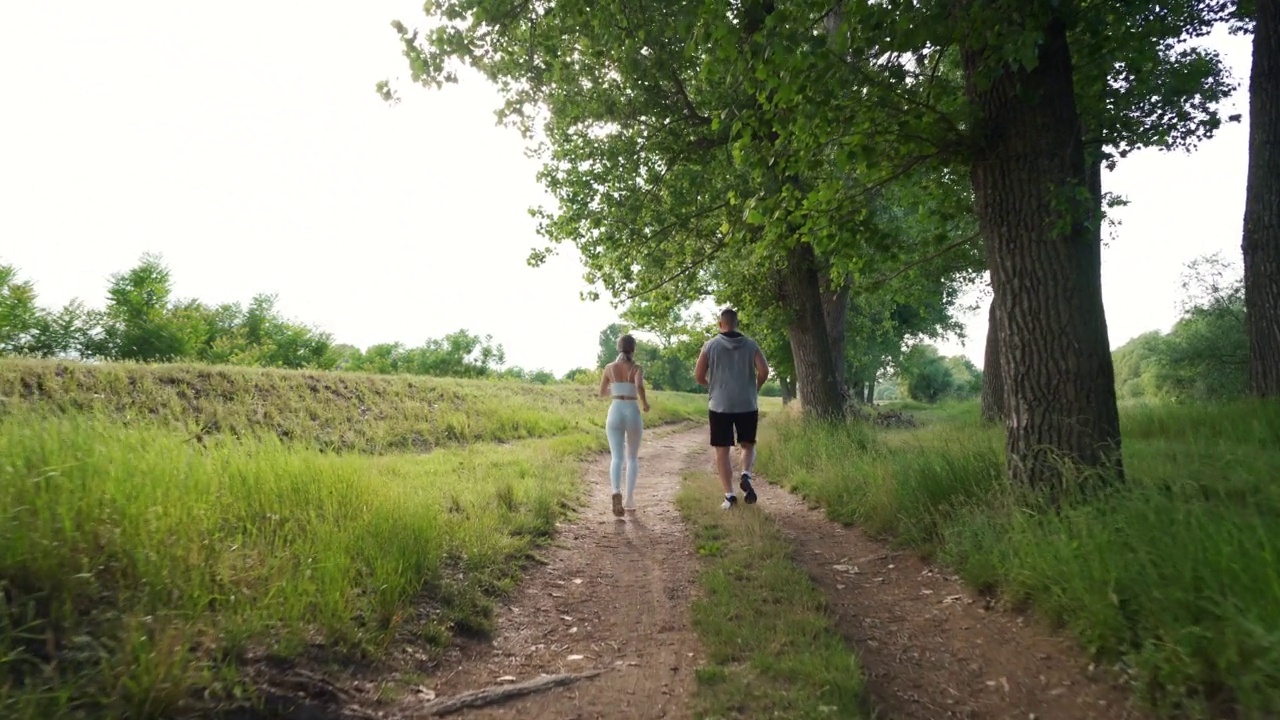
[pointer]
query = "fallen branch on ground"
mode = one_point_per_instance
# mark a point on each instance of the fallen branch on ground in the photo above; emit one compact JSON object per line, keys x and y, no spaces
{"x":500,"y":693}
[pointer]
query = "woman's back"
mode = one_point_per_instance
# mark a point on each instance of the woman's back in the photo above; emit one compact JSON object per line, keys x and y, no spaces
{"x":622,"y":378}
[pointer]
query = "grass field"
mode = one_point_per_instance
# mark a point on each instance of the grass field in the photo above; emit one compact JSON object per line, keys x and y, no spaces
{"x":1174,"y":577}
{"x":325,"y":410}
{"x":158,"y":524}
{"x":772,"y":650}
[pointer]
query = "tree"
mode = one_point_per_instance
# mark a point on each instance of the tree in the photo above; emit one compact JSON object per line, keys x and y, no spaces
{"x":926,"y":374}
{"x":661,"y":150}
{"x":19,"y":314}
{"x":74,"y":332}
{"x":966,"y":378}
{"x":993,"y":392}
{"x":609,"y":343}
{"x":1135,"y":363}
{"x":1030,"y":180}
{"x":137,"y":324}
{"x":1261,"y":242}
{"x":1206,"y":354}
{"x":581,"y":376}
{"x":344,"y":356}
{"x":1139,"y":83}
{"x":1035,"y":126}
{"x":458,"y":354}
{"x":675,"y":136}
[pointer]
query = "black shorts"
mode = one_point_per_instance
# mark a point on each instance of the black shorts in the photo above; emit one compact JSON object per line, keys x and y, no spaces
{"x":723,"y":426}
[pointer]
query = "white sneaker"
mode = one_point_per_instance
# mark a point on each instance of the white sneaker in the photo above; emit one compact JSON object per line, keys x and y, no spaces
{"x":729,"y":502}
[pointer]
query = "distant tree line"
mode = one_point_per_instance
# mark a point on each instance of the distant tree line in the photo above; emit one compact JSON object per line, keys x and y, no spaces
{"x":1205,"y":356}
{"x":667,"y":360}
{"x":925,"y":375}
{"x":143,"y":322}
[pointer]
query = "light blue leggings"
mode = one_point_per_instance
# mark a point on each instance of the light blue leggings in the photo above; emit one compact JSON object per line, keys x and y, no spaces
{"x":624,"y":427}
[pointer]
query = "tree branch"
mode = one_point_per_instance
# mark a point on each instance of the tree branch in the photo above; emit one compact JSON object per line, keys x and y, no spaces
{"x":688,"y":268}
{"x":932,"y":256}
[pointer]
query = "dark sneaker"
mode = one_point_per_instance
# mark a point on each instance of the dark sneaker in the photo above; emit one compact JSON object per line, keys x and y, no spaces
{"x":617,"y":505}
{"x":748,"y":492}
{"x":729,"y":502}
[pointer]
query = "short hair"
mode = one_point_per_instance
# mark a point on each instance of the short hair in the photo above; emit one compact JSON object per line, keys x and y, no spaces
{"x":729,"y":316}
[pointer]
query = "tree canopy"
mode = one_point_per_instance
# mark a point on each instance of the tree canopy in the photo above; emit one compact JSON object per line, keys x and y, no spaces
{"x":781,"y":156}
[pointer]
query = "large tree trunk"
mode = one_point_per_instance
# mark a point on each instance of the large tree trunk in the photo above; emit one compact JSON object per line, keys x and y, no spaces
{"x":1045,"y":259}
{"x":993,"y":400}
{"x":821,"y":382}
{"x":1261,"y":245}
{"x":835,"y":315}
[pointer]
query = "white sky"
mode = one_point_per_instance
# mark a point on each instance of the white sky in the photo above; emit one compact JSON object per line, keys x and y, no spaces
{"x":243,"y":141}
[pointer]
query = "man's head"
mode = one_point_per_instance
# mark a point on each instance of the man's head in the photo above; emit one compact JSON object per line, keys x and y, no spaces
{"x":728,"y":320}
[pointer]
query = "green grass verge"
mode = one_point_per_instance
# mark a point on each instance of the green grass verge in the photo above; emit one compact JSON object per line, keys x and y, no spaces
{"x":772,"y":650}
{"x":142,"y":561}
{"x":330,"y":411}
{"x":1175,"y":576}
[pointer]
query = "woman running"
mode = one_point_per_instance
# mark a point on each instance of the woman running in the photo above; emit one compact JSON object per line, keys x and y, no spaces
{"x":623,"y":380}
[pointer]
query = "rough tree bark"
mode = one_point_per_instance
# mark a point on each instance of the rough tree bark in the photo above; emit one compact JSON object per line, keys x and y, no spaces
{"x":835,"y":316}
{"x":1261,"y":243}
{"x":821,"y":383}
{"x":1030,"y":183}
{"x":993,"y":401}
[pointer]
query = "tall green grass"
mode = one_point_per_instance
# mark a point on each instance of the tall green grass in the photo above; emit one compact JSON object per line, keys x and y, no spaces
{"x":160,"y":525}
{"x":1175,"y":576}
{"x":135,"y":563}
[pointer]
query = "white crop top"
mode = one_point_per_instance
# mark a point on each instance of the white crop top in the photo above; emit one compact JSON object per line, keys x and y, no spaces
{"x":617,"y":389}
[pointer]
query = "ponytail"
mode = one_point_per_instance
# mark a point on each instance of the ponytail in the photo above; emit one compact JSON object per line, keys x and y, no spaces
{"x":626,"y":349}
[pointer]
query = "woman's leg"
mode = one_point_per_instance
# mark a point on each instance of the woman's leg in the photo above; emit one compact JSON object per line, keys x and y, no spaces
{"x":615,"y":430}
{"x":634,"y":431}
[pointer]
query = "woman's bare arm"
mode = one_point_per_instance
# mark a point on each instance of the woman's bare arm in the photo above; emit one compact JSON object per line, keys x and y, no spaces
{"x":604,"y":381}
{"x":644,"y":400}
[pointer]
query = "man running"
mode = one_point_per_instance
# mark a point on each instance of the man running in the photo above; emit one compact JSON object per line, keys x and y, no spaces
{"x":733,"y":369}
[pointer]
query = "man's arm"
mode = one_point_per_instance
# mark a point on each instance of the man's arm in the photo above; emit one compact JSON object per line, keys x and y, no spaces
{"x":700,"y":369}
{"x":762,"y":370}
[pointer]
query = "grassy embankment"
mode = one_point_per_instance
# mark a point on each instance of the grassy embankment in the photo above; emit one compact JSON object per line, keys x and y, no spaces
{"x":159,"y":523}
{"x":1175,"y":576}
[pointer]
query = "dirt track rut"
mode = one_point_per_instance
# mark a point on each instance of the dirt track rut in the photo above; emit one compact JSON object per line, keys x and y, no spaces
{"x":615,"y":595}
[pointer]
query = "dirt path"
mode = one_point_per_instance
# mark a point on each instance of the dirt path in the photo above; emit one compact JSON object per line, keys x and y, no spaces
{"x":614,"y":595}
{"x":929,"y":646}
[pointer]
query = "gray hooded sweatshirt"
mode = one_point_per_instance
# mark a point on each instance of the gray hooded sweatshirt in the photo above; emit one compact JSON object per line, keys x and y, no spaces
{"x":731,"y":373}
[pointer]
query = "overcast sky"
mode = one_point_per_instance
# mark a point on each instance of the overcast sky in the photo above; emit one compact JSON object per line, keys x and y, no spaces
{"x":243,"y":141}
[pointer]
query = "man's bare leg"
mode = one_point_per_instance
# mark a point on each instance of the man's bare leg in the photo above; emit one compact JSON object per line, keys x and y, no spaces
{"x":749,"y":458}
{"x":748,"y":468}
{"x":724,"y":468}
